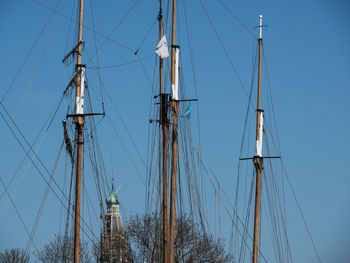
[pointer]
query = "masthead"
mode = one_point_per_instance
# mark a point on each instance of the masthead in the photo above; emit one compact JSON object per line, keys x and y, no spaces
{"x":260,"y":26}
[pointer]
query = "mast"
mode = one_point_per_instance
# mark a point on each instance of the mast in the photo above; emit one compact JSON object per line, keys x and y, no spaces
{"x":79,"y":127}
{"x":258,"y":159}
{"x":174,"y":143}
{"x":164,"y":127}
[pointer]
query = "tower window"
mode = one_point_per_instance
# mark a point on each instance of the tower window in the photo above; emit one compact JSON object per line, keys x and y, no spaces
{"x":114,"y":223}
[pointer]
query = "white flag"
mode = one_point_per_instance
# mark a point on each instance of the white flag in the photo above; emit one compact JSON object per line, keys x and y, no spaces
{"x":162,"y":48}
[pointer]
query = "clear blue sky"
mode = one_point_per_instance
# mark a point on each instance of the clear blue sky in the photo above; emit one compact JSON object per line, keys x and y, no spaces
{"x":306,"y":46}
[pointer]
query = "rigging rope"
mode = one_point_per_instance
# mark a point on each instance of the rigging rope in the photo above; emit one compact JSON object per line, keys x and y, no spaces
{"x":238,"y":20}
{"x":278,"y":147}
{"x":17,"y":212}
{"x":126,"y":150}
{"x":97,"y":55}
{"x":43,"y":201}
{"x":235,"y":212}
{"x":224,"y":49}
{"x":115,"y":28}
{"x":122,"y":64}
{"x":146,"y":35}
{"x":85,"y":27}
{"x":30,"y":51}
{"x":49,"y":119}
{"x":40,"y":161}
{"x":33,"y":75}
{"x":301,"y":213}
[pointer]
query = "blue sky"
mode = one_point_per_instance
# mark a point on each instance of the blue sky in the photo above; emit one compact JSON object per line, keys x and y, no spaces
{"x":306,"y":48}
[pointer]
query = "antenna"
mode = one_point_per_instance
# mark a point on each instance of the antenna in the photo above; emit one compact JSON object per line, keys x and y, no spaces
{"x":260,"y":26}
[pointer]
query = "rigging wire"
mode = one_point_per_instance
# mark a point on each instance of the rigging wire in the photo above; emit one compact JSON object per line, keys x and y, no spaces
{"x":301,"y":213}
{"x":151,"y":148}
{"x":17,"y":212}
{"x":239,"y":168}
{"x":95,"y":154}
{"x":30,"y":51}
{"x":64,"y":189}
{"x":94,"y":150}
{"x":96,"y":163}
{"x":43,"y":201}
{"x":115,"y":28}
{"x":85,"y":27}
{"x":271,"y":100}
{"x":242,"y":250}
{"x":144,"y":70}
{"x":277,"y":144}
{"x":91,"y":144}
{"x":127,"y":152}
{"x":83,"y":198}
{"x":124,"y":126}
{"x":37,"y":157}
{"x":245,"y":229}
{"x":195,"y":83}
{"x":195,"y":79}
{"x":190,"y":167}
{"x":97,"y":54}
{"x":69,"y":214}
{"x":224,"y":49}
{"x":197,"y":181}
{"x":189,"y":183}
{"x":122,"y":64}
{"x":49,"y":121}
{"x":146,"y":35}
{"x":68,"y":32}
{"x":153,"y":85}
{"x":33,"y":75}
{"x":125,"y":148}
{"x":237,"y":19}
{"x":277,"y":216}
{"x":86,"y":193}
{"x":123,"y":122}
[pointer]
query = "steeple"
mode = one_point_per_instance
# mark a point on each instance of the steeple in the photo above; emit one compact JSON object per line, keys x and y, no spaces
{"x":112,"y":199}
{"x":113,"y":247}
{"x":113,"y":221}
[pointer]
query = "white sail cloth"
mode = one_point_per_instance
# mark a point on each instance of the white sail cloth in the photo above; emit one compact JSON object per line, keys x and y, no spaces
{"x":162,"y":48}
{"x":175,"y":86}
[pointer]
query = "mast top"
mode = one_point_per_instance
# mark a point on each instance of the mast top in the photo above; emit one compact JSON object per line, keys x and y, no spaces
{"x":260,"y":26}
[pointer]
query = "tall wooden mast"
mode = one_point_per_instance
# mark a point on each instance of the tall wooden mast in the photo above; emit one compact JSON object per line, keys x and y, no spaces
{"x":174,"y":143}
{"x":79,"y":126}
{"x":163,"y":117}
{"x":258,"y":159}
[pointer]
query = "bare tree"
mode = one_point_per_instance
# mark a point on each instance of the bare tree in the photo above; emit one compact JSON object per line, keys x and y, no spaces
{"x":114,"y":247}
{"x":191,"y":243}
{"x":15,"y":255}
{"x":60,"y":250}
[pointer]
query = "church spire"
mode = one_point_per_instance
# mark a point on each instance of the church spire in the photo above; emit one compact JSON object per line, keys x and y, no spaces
{"x":113,"y":239}
{"x":112,"y":199}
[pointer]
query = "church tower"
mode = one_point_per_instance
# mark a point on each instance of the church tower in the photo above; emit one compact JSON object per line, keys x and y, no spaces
{"x":113,"y":246}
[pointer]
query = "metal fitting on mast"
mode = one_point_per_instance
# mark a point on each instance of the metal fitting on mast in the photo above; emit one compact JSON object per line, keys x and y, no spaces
{"x":260,"y":26}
